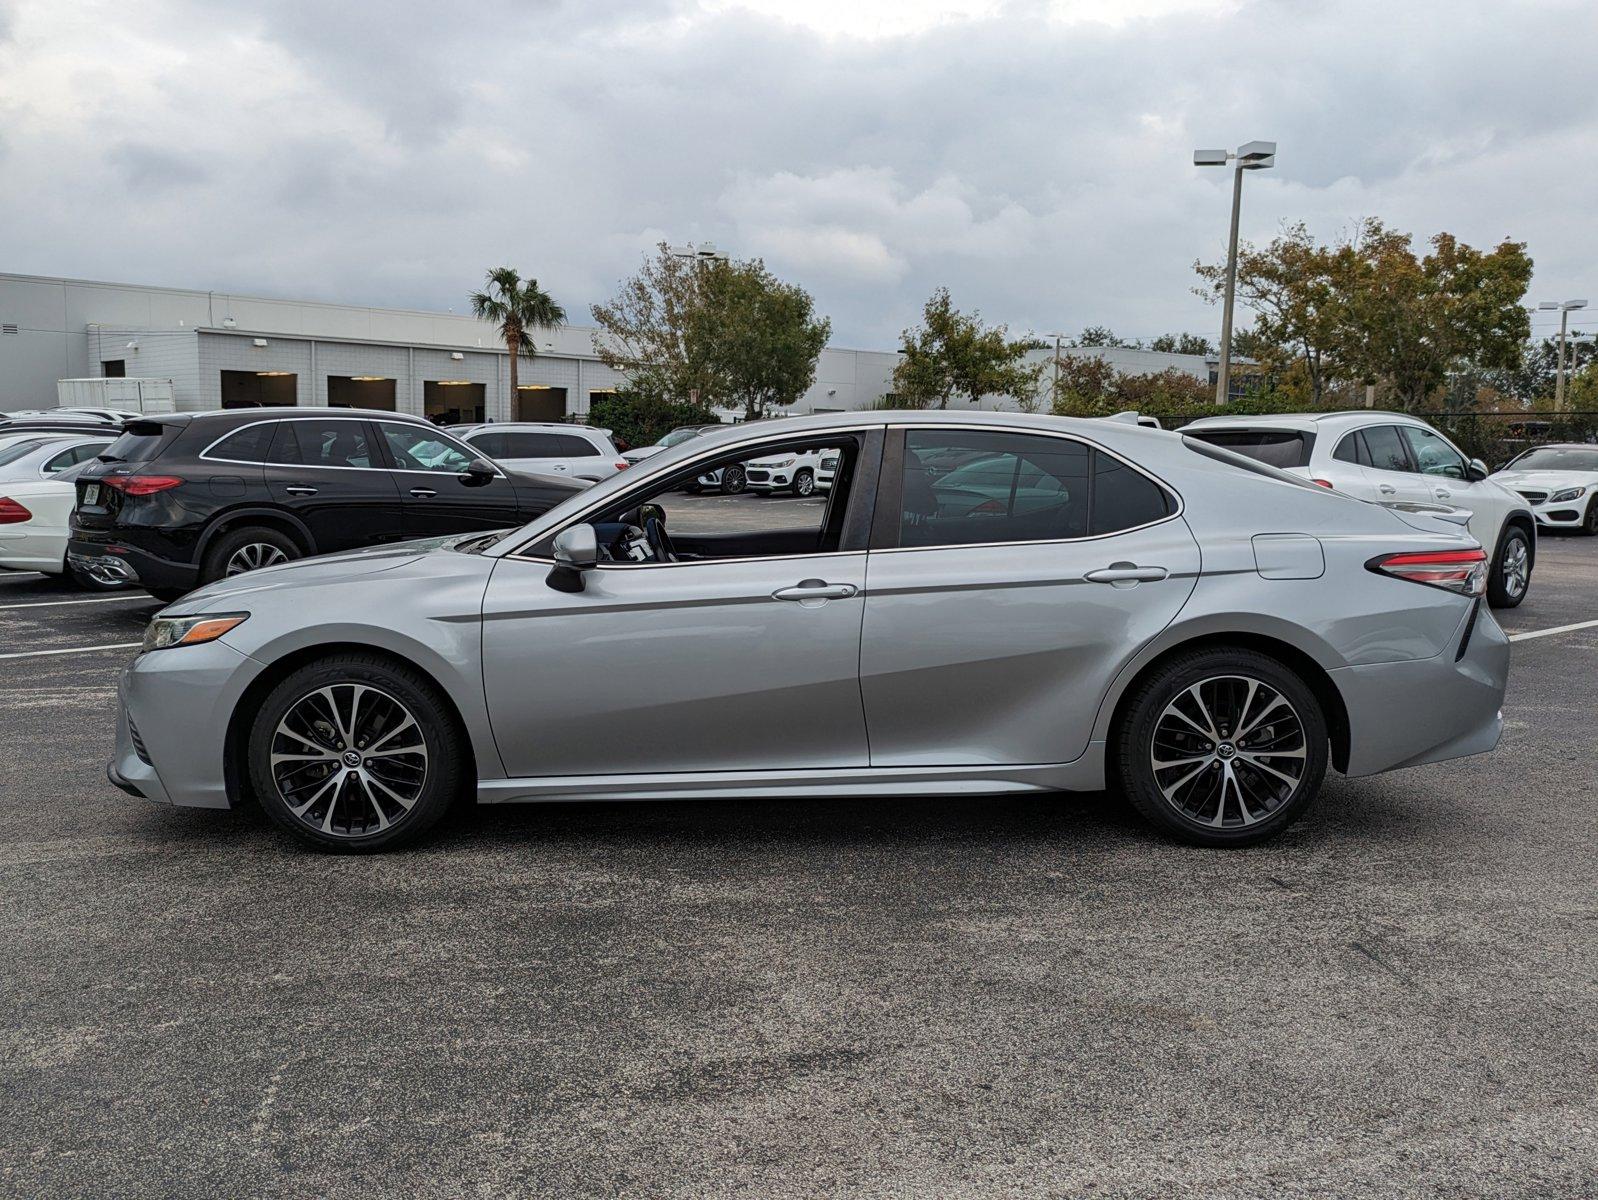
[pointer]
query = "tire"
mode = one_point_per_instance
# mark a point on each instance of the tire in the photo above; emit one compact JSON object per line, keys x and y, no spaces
{"x":804,"y":483}
{"x":235,"y":551}
{"x":1589,"y":524}
{"x":1508,"y":584}
{"x":733,"y":482}
{"x":338,"y":809}
{"x":1231,"y":686}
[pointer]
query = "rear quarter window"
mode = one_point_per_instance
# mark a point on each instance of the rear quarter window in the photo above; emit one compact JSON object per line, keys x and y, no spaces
{"x":249,"y":444}
{"x":1273,"y":447}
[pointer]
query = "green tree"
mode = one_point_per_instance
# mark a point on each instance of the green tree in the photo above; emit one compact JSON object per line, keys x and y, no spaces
{"x":642,"y":420}
{"x":1099,"y":335}
{"x":1182,"y":343}
{"x":517,"y":308}
{"x":728,"y":333}
{"x":951,"y":354}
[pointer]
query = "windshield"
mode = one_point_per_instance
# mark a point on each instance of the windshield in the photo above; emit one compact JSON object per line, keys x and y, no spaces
{"x":678,"y":436}
{"x":1557,"y":458}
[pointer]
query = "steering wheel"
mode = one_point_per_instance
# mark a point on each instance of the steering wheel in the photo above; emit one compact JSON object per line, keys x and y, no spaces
{"x":659,"y":540}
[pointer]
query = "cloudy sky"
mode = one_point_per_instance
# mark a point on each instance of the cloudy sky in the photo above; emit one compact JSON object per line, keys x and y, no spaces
{"x":1033,"y":155}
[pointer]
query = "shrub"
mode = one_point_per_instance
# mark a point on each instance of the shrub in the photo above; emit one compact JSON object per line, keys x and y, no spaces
{"x":642,"y":420}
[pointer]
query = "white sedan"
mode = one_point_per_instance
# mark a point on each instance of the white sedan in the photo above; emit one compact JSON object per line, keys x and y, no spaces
{"x":1560,"y":482}
{"x":33,"y":524}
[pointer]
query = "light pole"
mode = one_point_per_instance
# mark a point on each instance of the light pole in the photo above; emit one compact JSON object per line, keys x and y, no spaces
{"x":1564,"y":308}
{"x":1251,"y":156}
{"x":1056,"y":389}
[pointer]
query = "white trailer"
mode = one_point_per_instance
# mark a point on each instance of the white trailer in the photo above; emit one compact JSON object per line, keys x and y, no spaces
{"x":129,"y":395}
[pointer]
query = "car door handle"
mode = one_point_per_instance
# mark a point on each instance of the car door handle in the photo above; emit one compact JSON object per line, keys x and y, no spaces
{"x":1442,"y":493}
{"x":299,"y":489}
{"x":1386,"y":489}
{"x":1126,"y":573}
{"x":423,"y":493}
{"x":815,"y":589}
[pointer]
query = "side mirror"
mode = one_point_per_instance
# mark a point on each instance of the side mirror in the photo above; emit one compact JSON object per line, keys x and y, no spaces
{"x":478,"y":472}
{"x":576,"y":550}
{"x":1476,"y":470}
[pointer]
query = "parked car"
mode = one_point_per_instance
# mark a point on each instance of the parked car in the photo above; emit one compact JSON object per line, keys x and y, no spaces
{"x":1560,"y":482}
{"x":33,"y":525}
{"x":186,"y":498}
{"x":44,"y":455}
{"x":547,"y":448}
{"x":1205,"y":631}
{"x":1395,"y":459}
{"x":107,"y":416}
{"x":827,"y":471}
{"x":676,"y":437}
{"x":792,"y":472}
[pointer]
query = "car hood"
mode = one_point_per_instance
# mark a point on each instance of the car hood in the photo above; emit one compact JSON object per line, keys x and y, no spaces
{"x":302,"y":572}
{"x":641,"y":453}
{"x":1551,"y":481}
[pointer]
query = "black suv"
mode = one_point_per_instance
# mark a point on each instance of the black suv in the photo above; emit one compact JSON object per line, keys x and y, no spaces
{"x":181,"y":499}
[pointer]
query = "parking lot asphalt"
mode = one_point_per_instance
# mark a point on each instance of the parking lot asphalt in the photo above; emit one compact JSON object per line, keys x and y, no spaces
{"x":888,"y":998}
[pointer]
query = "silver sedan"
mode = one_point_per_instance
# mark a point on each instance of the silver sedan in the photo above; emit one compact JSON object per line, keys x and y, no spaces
{"x":984,"y":603}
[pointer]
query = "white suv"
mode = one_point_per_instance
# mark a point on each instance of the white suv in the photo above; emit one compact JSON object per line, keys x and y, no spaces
{"x":547,"y":448}
{"x":1391,"y":458}
{"x":793,"y":471}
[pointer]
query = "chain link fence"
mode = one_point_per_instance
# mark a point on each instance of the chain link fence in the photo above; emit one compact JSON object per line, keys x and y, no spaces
{"x":1495,"y":438}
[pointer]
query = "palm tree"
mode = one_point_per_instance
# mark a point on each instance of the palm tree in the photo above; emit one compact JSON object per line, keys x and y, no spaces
{"x":517,"y":309}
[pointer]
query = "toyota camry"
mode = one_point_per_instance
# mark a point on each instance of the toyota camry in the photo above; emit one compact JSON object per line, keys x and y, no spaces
{"x":983,"y":603}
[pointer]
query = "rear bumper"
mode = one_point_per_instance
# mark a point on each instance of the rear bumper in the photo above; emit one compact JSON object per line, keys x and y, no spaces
{"x":1403,"y":714}
{"x":114,"y":560}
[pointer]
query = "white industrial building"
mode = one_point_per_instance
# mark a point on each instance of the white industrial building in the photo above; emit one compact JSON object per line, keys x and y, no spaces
{"x":220,"y":349}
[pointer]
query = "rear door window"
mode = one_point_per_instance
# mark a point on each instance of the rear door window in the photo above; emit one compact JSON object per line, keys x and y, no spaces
{"x":1273,"y":447}
{"x":1386,"y":447}
{"x":332,"y":443}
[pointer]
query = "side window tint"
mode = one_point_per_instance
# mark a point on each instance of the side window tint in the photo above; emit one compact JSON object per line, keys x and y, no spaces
{"x":1433,"y":456}
{"x":421,"y":449}
{"x":1386,"y":448}
{"x":966,"y":488}
{"x":325,"y":444}
{"x":61,"y":462}
{"x":1349,"y":449}
{"x":1124,"y":498}
{"x":573,"y":446}
{"x":250,"y":444}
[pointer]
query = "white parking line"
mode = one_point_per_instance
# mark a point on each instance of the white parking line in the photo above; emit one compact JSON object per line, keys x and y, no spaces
{"x":96,"y":600}
{"x":1537,"y":633}
{"x":74,"y":650}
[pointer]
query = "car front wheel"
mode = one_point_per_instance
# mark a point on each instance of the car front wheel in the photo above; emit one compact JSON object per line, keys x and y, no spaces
{"x":1511,"y":577}
{"x":733,"y":481}
{"x":804,"y":483}
{"x":355,"y":753}
{"x":1222,"y":747}
{"x":1589,"y":524}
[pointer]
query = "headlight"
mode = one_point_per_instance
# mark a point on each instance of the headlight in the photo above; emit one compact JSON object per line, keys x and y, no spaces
{"x":166,"y":632}
{"x":776,"y":463}
{"x":1568,"y":494}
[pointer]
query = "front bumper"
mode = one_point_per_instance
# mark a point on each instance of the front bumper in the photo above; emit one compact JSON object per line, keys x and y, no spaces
{"x":1563,"y":514}
{"x":1403,"y":714}
{"x":180,"y":700}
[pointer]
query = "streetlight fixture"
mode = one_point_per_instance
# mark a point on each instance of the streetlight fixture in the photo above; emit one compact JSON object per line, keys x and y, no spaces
{"x":1250,"y":156}
{"x":1564,"y":308}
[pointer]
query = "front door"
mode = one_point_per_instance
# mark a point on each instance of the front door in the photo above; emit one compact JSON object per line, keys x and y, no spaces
{"x":731,"y":643}
{"x":1006,"y":591}
{"x":439,"y":498}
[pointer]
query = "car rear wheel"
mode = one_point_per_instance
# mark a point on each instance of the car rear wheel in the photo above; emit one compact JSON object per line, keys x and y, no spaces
{"x":1511,"y":577}
{"x":733,"y":482}
{"x":804,"y":483}
{"x":355,"y":753}
{"x":247,"y":549}
{"x":1223,"y":747}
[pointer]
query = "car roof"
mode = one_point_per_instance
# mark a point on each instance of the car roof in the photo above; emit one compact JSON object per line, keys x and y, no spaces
{"x":273,"y":412}
{"x":1311,"y":422}
{"x":559,"y":426}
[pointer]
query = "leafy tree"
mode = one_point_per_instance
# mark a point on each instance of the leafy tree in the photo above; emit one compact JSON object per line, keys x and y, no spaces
{"x":1089,"y":386}
{"x":517,"y":308}
{"x":730,"y":332}
{"x":1183,"y":343}
{"x":1099,"y":335}
{"x":951,"y":354}
{"x":642,"y":420}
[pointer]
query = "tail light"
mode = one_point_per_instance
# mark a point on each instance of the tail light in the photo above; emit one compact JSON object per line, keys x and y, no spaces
{"x":141,"y":485}
{"x":1325,"y":483}
{"x":1462,"y":571}
{"x":622,"y":464}
{"x":11,"y":512}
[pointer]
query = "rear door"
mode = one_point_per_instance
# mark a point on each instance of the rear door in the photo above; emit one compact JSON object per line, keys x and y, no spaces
{"x":1391,"y":470}
{"x":328,"y":473}
{"x":533,"y":451}
{"x":439,"y":498}
{"x":999,"y":608}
